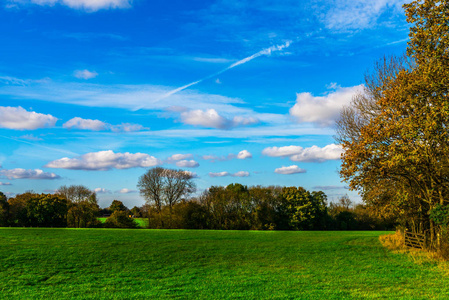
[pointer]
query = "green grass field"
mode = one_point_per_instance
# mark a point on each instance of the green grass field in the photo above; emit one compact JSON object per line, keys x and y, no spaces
{"x":143,"y":222}
{"x":154,"y":264}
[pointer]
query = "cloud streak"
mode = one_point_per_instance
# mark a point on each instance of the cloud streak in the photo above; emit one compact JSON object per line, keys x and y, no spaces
{"x":266,"y":52}
{"x":87,"y":5}
{"x":40,"y":146}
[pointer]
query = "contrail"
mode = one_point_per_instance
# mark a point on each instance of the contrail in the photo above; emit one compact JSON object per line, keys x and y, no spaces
{"x":266,"y":51}
{"x":37,"y":145}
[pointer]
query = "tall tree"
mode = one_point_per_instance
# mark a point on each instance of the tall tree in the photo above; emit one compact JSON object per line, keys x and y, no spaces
{"x":404,"y":145}
{"x":83,"y":205}
{"x":165,"y":187}
{"x":77,"y":193}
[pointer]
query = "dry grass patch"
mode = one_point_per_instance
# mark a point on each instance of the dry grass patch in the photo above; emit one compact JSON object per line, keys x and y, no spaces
{"x":395,"y":242}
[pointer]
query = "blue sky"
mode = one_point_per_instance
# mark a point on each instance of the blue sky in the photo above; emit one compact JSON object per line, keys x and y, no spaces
{"x":95,"y":92}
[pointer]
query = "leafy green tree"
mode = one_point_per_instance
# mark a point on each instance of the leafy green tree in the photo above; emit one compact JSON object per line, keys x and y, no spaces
{"x":216,"y":202}
{"x":83,"y":214}
{"x":239,"y":206}
{"x":305,"y":210}
{"x":268,"y":211}
{"x":192,"y":215}
{"x":229,"y":207}
{"x":18,"y":209}
{"x":136,"y":212}
{"x":47,"y":210}
{"x":4,"y":210}
{"x":117,"y":205}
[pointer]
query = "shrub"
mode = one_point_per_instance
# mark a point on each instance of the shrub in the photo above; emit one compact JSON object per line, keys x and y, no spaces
{"x":393,"y":241}
{"x":120,"y":219}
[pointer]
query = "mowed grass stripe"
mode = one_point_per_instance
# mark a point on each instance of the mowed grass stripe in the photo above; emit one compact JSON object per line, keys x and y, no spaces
{"x":142,"y":222}
{"x":195,"y":264}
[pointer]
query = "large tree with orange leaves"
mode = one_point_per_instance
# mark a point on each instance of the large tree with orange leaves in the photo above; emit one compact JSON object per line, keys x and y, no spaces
{"x":396,"y":140}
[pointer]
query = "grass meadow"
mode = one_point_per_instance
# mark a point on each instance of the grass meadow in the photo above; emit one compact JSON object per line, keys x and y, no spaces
{"x":142,"y":222}
{"x":197,"y":264}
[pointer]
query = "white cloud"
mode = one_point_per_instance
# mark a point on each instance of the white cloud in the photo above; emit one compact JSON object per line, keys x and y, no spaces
{"x":127,"y":191}
{"x":27,"y":174}
{"x":241,"y":174}
{"x":5,"y":183}
{"x":187,"y":164}
{"x":85,"y":74}
{"x":224,"y":174}
{"x":323,"y":110}
{"x":244,"y":154}
{"x":85,"y":124}
{"x":317,"y":154}
{"x":21,"y":119}
{"x":102,"y":191}
{"x":282,"y":151}
{"x":88,"y":5}
{"x":211,"y":118}
{"x":97,"y":125}
{"x":293,"y":169}
{"x":311,"y":154}
{"x":105,"y":160}
{"x":176,"y":157}
{"x":219,"y":174}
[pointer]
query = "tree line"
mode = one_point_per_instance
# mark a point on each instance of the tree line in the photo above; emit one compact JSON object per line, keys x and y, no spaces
{"x":71,"y":206}
{"x":238,"y":207}
{"x":169,"y":205}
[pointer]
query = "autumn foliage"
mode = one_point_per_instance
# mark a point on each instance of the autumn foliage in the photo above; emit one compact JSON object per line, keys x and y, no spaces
{"x":396,"y":135}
